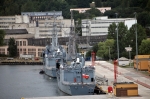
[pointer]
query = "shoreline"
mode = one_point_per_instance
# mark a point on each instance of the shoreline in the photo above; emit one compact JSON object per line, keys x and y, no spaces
{"x":21,"y":63}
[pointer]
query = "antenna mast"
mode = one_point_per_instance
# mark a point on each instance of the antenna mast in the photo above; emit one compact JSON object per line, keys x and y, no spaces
{"x":54,"y":34}
{"x":72,"y":40}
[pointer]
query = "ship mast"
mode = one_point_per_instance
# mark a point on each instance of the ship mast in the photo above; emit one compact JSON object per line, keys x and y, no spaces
{"x":54,"y":34}
{"x":72,"y":40}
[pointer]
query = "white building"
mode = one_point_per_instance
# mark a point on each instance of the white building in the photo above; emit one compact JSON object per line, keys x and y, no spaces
{"x":45,"y":28}
{"x":11,"y":22}
{"x":99,"y":25}
{"x":38,"y":24}
{"x":83,"y":10}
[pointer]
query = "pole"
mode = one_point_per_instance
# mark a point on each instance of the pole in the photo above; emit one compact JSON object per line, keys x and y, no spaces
{"x":109,"y":53}
{"x":117,"y":40}
{"x":115,"y":71}
{"x":129,"y":57}
{"x":136,"y":42}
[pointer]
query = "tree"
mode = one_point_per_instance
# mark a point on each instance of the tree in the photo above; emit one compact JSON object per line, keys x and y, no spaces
{"x":147,"y":8}
{"x":144,"y":47}
{"x":88,"y":54}
{"x":122,"y":40}
{"x":98,"y":3}
{"x":2,"y":35}
{"x":144,"y":19}
{"x":12,"y":47}
{"x":131,"y":36}
{"x":83,"y":3}
{"x":93,"y":12}
{"x":94,"y":49}
{"x":110,"y":13}
{"x":103,"y":49}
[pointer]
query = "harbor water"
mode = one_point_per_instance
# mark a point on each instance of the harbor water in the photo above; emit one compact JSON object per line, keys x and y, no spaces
{"x":18,"y":81}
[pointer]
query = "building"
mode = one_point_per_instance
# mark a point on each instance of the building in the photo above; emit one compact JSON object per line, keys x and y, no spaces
{"x":39,"y":24}
{"x":99,"y":25}
{"x":45,"y":28}
{"x":24,"y":49}
{"x":17,"y":34}
{"x":83,"y":10}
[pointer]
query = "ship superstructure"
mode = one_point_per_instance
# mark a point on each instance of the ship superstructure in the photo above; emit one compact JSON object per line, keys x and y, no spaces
{"x":75,"y":78}
{"x":54,"y":54}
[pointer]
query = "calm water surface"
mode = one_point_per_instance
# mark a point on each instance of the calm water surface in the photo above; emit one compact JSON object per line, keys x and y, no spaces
{"x":25,"y":81}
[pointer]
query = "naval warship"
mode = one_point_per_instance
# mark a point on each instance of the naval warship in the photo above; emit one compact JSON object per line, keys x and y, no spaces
{"x":54,"y":54}
{"x":74,"y":78}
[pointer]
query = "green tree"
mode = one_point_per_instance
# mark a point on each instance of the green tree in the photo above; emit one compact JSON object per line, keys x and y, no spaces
{"x":144,"y":47}
{"x":94,"y":49}
{"x":110,"y":13}
{"x":88,"y":54}
{"x":122,"y":40}
{"x":144,"y":19}
{"x":2,"y":35}
{"x":30,"y":6}
{"x":12,"y":47}
{"x":98,"y":3}
{"x":103,"y":49}
{"x":93,"y":12}
{"x":131,"y":36}
{"x":147,"y":8}
{"x":84,"y":3}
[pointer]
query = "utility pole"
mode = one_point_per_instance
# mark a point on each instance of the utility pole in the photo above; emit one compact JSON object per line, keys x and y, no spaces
{"x":117,"y":39}
{"x":136,"y":42}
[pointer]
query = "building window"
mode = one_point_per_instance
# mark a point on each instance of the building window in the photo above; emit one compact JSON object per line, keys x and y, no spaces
{"x":24,"y":43}
{"x":39,"y":54}
{"x":24,"y":50}
{"x":17,"y":43}
{"x":20,"y":43}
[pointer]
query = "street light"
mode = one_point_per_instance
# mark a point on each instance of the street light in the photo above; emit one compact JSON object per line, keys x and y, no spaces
{"x":109,"y":53}
{"x":117,"y":39}
{"x":136,"y":42}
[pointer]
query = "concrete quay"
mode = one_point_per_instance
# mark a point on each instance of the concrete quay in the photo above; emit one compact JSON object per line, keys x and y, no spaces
{"x":86,"y":97}
{"x":106,"y":70}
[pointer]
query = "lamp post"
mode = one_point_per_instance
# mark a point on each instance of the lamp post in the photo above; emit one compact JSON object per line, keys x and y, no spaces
{"x":130,"y":56}
{"x":109,"y":53}
{"x":117,"y":40}
{"x":136,"y":42}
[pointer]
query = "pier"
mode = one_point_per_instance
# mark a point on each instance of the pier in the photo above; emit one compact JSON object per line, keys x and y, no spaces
{"x":20,"y":62}
{"x":104,"y":70}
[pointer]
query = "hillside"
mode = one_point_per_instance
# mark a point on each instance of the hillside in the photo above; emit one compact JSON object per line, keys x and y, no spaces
{"x":124,"y":8}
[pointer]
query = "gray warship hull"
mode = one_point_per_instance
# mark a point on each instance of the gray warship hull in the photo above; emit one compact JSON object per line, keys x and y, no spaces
{"x":71,"y":80}
{"x":50,"y":67}
{"x":50,"y":71}
{"x":76,"y":89}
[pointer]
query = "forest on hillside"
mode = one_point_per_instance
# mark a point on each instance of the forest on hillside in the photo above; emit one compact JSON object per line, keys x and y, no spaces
{"x":124,"y":8}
